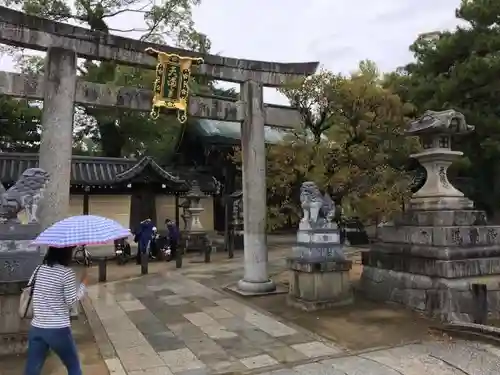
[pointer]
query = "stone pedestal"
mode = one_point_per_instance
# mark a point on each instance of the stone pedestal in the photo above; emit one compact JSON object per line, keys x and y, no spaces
{"x":319,"y":272}
{"x":429,"y":260}
{"x":18,"y":260}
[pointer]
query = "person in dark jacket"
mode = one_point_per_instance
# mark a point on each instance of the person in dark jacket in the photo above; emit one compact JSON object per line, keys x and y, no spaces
{"x":173,"y":237}
{"x":143,"y":238}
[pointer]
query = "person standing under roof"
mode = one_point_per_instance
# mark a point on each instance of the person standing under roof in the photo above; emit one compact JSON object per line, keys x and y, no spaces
{"x":173,"y":237}
{"x":143,"y":238}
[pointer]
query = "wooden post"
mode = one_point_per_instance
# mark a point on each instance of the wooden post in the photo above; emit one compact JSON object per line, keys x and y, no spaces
{"x":144,"y":262}
{"x":480,"y":298}
{"x":178,"y":257}
{"x":226,"y":208}
{"x":102,"y":270}
{"x":207,"y":247}
{"x":208,"y":253}
{"x":230,"y":253}
{"x":256,"y":278}
{"x":86,"y":200}
{"x":177,"y":211}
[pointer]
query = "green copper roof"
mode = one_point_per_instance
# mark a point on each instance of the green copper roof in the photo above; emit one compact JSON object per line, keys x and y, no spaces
{"x":229,"y":132}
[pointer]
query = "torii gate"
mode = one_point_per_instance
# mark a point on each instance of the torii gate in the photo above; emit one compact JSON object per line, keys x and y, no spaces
{"x":60,"y":89}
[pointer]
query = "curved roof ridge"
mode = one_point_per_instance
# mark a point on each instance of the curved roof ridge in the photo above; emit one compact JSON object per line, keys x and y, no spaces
{"x":141,"y":165}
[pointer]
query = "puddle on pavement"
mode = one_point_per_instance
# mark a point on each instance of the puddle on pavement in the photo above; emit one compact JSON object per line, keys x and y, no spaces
{"x":363,"y":325}
{"x":360,"y":326}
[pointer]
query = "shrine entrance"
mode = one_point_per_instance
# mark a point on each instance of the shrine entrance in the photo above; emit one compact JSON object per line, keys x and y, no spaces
{"x":59,"y":90}
{"x":142,"y":206}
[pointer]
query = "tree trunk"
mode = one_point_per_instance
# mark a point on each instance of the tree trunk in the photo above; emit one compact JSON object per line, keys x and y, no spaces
{"x":112,"y":142}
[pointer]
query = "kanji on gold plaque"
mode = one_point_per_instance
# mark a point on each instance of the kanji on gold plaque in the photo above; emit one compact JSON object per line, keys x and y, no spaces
{"x":171,"y":87}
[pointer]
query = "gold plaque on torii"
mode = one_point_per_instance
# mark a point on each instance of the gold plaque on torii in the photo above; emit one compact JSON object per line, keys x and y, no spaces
{"x":171,"y":87}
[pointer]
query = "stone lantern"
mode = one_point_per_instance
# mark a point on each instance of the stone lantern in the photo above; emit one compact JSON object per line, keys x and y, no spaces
{"x":237,"y":209}
{"x":236,"y":224}
{"x":435,"y":130}
{"x":194,"y":208}
{"x":185,"y":214}
{"x":439,"y":257}
{"x":195,"y":235}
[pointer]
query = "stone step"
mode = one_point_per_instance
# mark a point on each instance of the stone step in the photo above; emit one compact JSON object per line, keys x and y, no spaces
{"x":441,"y":218}
{"x":455,"y":236}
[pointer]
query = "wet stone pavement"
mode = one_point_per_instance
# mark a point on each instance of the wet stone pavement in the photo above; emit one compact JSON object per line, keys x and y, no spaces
{"x":162,"y":325}
{"x":171,"y":324}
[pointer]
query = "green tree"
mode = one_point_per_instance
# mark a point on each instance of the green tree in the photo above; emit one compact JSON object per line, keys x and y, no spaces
{"x":459,"y":69}
{"x":122,"y":132}
{"x":313,"y":98}
{"x":367,"y":164}
{"x":20,"y":125}
{"x":166,"y":21}
{"x":20,"y":119}
{"x":352,"y":145}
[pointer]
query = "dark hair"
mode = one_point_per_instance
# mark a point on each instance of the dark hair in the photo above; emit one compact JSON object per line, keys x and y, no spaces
{"x":57,"y":255}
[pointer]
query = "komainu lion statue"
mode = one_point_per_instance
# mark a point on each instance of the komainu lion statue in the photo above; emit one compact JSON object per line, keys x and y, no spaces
{"x":23,"y":195}
{"x":318,"y":209}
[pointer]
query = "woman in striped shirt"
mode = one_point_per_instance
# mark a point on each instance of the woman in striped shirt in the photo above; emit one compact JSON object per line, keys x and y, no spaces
{"x":55,"y":292}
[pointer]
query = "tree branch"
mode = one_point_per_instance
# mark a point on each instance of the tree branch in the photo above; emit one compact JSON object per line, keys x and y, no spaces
{"x":151,"y":30}
{"x":140,"y":10}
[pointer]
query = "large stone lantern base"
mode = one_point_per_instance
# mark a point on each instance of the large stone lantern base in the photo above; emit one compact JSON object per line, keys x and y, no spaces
{"x":440,"y":256}
{"x":18,"y":260}
{"x":429,"y":261}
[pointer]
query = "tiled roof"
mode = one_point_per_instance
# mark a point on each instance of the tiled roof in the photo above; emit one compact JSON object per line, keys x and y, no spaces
{"x":230,"y":132}
{"x":89,"y":170}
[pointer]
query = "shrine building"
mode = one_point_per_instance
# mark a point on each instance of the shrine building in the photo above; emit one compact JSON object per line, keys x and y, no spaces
{"x":122,"y":189}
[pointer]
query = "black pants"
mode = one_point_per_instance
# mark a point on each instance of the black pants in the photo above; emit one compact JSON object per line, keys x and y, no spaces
{"x":127,"y":250}
{"x":153,"y":249}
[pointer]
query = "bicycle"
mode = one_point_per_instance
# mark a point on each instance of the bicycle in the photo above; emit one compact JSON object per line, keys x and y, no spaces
{"x":82,"y":256}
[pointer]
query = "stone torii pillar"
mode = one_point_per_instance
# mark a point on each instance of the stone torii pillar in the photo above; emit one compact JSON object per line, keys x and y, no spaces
{"x":57,"y":133}
{"x":256,"y":279}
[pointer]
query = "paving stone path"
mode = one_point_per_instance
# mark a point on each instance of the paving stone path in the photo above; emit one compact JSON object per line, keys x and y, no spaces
{"x":170,"y":324}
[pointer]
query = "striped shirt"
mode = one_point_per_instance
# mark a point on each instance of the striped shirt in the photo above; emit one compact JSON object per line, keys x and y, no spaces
{"x":54,"y":293}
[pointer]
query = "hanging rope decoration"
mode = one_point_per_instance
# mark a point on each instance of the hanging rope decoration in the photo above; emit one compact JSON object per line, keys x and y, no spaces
{"x":171,"y":86}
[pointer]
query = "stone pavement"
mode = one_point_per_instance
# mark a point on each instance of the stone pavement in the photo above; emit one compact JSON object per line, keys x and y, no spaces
{"x":171,"y":324}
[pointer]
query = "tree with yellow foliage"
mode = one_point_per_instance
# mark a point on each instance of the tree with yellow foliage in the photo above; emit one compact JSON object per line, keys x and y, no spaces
{"x":358,"y":151}
{"x":352,"y":145}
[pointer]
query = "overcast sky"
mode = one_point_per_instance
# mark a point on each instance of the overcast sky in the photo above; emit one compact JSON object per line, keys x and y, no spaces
{"x":337,"y":33}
